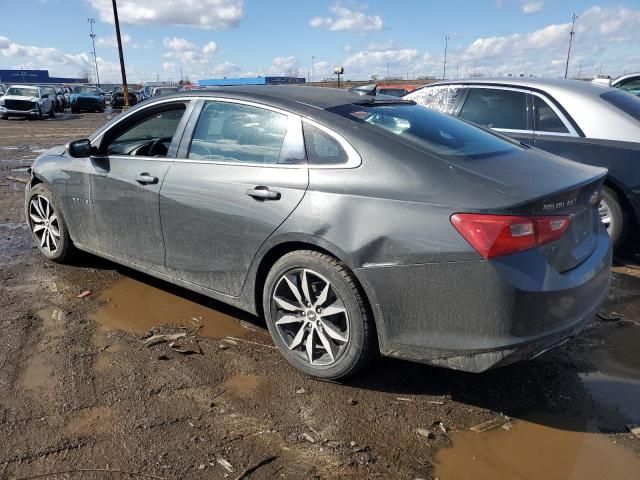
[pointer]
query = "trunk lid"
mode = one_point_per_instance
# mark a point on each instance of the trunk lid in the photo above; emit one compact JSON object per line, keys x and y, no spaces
{"x":548,"y":185}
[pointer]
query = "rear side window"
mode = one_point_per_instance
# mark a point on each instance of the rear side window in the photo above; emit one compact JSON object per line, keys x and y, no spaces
{"x":443,"y":98}
{"x":546,"y":119}
{"x":429,"y":130}
{"x":628,"y":103}
{"x":322,"y":148}
{"x":236,"y":133}
{"x":496,"y":108}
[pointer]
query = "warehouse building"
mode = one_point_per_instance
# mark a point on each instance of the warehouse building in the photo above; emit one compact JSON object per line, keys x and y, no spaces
{"x":218,"y":82}
{"x":34,"y":76}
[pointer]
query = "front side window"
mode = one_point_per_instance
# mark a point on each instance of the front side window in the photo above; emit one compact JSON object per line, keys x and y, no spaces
{"x":322,"y":148}
{"x":236,"y":133}
{"x":150,"y":135}
{"x":443,"y":98}
{"x":496,"y":108}
{"x":546,"y":119}
{"x":632,"y":85}
{"x":432,"y":131}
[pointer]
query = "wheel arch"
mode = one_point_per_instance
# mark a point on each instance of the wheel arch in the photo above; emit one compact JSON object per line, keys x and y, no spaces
{"x":275,"y":250}
{"x":625,"y":200}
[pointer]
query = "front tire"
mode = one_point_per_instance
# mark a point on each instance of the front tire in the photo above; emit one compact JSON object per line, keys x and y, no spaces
{"x":613,"y":216}
{"x":47,"y":225}
{"x":317,"y":315}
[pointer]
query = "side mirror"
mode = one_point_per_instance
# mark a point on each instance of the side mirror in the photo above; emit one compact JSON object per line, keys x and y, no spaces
{"x":80,"y":148}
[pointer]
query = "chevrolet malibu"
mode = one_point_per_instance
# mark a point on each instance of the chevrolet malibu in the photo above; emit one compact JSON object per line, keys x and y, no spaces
{"x":354,"y":225}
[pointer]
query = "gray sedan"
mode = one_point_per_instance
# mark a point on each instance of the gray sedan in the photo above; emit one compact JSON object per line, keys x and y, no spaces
{"x":354,"y":225}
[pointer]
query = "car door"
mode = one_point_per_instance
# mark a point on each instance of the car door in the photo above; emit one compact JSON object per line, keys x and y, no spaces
{"x":124,"y":179}
{"x":504,"y":109}
{"x":240,"y":172}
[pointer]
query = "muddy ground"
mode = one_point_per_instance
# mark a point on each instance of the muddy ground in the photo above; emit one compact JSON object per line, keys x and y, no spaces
{"x":81,"y":393}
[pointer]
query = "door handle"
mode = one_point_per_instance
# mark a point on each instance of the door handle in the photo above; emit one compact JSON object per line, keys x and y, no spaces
{"x":146,"y":179}
{"x":263,"y":193}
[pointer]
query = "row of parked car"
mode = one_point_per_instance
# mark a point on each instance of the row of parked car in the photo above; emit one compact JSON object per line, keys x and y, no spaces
{"x":39,"y":101}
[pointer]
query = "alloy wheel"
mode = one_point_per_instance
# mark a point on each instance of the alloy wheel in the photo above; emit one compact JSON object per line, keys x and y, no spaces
{"x":310,"y":317}
{"x":44,"y":224}
{"x":606,"y":216}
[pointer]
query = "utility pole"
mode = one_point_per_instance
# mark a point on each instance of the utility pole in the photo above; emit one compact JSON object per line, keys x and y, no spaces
{"x":475,"y":65}
{"x":387,"y":82}
{"x":313,"y":60}
{"x":91,"y":21}
{"x":444,"y":67}
{"x":571,"y":34}
{"x":457,"y":71}
{"x":125,"y":87}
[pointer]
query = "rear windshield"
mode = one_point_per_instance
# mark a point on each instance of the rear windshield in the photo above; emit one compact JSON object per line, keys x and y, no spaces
{"x":433,"y":131}
{"x":625,"y":101}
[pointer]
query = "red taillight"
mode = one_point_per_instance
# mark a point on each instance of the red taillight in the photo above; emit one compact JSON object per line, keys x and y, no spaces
{"x":496,"y":235}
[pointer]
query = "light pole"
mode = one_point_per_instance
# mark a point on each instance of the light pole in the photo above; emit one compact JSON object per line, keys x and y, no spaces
{"x":571,"y":34}
{"x":125,"y":87}
{"x":91,"y":21}
{"x":444,"y":67}
{"x":313,"y":59}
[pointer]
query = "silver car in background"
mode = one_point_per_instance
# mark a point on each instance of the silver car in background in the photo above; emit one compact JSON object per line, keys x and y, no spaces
{"x":590,"y":123}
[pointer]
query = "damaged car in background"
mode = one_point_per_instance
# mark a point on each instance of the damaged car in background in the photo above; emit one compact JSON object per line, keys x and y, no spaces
{"x":474,"y":252}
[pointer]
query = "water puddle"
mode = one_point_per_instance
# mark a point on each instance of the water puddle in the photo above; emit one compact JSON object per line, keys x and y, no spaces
{"x":136,"y":307}
{"x":616,"y":382}
{"x":542,"y":447}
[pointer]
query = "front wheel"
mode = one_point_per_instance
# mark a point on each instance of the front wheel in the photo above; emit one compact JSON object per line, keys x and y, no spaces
{"x":47,"y":225}
{"x":317,"y":316}
{"x":612,"y":216}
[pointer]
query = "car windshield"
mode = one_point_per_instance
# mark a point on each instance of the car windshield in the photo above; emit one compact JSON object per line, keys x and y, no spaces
{"x":625,"y":101}
{"x":88,"y":90}
{"x":430,"y":130}
{"x":23,"y":92}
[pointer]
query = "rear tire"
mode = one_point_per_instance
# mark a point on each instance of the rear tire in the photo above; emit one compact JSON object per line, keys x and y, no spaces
{"x":324,"y":328}
{"x":47,"y":225}
{"x":613,"y":216}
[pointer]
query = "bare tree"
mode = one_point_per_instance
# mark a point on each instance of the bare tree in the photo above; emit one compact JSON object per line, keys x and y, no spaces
{"x":85,"y":75}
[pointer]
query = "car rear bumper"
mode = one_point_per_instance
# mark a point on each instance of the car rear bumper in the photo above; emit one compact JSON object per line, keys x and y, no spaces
{"x":479,"y":315}
{"x":18,"y":113}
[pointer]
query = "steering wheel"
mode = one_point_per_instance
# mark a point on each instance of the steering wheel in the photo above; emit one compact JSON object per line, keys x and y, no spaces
{"x":156,"y":144}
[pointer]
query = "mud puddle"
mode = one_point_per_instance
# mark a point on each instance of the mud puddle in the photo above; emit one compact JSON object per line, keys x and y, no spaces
{"x":543,"y":446}
{"x":616,"y":382}
{"x":136,"y":307}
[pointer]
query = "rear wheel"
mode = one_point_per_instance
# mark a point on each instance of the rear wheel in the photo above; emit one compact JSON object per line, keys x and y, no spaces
{"x":317,"y":315}
{"x":612,"y":216}
{"x":47,"y":225}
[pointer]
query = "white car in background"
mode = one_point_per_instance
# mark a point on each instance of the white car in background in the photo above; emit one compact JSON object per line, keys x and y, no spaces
{"x":629,"y":82}
{"x":26,"y":101}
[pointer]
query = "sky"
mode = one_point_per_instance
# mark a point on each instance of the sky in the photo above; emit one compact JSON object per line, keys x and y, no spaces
{"x":231,"y":38}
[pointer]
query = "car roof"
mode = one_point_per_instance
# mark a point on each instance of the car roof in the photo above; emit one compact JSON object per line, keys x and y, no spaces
{"x":281,"y":95}
{"x":596,"y":117}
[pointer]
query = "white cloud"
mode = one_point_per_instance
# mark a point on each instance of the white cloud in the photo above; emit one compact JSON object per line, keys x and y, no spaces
{"x":532,"y":7}
{"x":112,"y":42}
{"x":346,"y":19}
{"x":188,"y":53}
{"x":210,"y":48}
{"x":190,"y":13}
